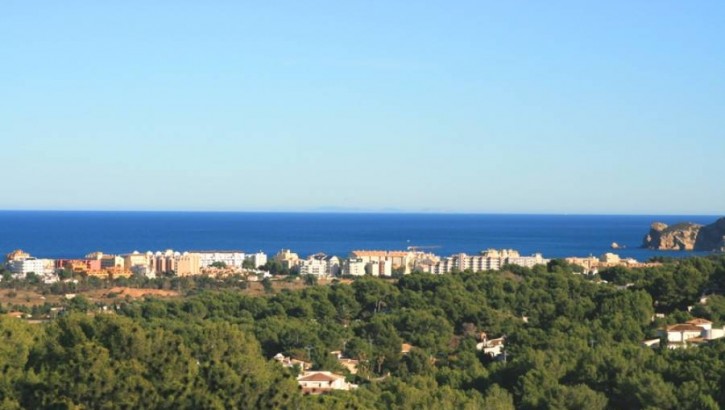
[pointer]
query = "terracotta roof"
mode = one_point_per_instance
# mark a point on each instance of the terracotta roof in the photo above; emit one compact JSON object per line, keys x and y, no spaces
{"x":699,"y":321}
{"x":405,"y":347}
{"x":319,"y":377}
{"x":684,"y":327}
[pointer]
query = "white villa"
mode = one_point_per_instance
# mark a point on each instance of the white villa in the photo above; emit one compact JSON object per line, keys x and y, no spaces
{"x":286,"y":361}
{"x":692,"y":332}
{"x":320,"y":264}
{"x":319,"y":382}
{"x":491,"y":347}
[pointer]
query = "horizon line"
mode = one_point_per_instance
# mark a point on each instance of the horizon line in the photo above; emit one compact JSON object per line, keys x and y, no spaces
{"x":361,"y":211}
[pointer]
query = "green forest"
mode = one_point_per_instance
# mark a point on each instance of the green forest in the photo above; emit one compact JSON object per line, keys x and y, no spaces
{"x":572,"y":342}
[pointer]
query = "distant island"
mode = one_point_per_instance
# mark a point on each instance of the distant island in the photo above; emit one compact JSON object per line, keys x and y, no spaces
{"x":686,"y":236}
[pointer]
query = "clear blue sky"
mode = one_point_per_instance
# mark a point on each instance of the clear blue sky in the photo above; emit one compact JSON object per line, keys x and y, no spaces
{"x":507,"y":106}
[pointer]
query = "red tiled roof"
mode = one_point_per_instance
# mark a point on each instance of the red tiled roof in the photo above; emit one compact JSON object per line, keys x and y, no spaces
{"x":699,"y":321}
{"x":684,"y":327}
{"x":319,"y":377}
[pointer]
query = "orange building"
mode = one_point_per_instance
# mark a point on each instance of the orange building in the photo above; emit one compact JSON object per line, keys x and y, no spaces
{"x":85,"y":266}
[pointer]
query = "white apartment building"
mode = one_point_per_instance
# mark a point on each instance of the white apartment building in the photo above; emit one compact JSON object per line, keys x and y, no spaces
{"x":490,"y":259}
{"x":258,"y":259}
{"x":320,"y":265}
{"x":22,"y":267}
{"x":381,"y":268}
{"x":354,"y":267}
{"x":406,"y":260}
{"x":229,"y":258}
{"x":528,"y":261}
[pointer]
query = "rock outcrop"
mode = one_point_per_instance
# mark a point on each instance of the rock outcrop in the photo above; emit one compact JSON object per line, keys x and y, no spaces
{"x":712,"y":237}
{"x":686,"y":236}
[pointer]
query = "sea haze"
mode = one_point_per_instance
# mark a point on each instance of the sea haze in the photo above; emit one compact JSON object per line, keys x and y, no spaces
{"x":56,"y":234}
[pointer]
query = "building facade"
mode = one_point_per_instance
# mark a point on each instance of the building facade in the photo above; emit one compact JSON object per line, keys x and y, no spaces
{"x":287,"y":258}
{"x":258,"y":259}
{"x":491,"y":259}
{"x":354,"y":267}
{"x":21,"y":267}
{"x":320,"y":264}
{"x":229,"y":258}
{"x":135,"y":260}
{"x":188,"y":264}
{"x":404,"y":260}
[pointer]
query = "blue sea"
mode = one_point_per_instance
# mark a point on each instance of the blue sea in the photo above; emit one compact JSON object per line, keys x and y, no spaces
{"x":56,"y":234}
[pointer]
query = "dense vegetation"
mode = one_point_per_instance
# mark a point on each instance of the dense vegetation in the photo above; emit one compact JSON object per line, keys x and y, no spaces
{"x":571,"y":342}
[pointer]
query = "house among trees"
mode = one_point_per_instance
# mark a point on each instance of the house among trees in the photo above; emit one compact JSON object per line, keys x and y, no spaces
{"x":492,"y":347}
{"x":319,"y":382}
{"x":287,"y":362}
{"x":690,"y":333}
{"x":350,"y":364}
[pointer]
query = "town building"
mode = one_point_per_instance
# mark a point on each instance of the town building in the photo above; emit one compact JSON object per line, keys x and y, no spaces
{"x":80,"y":266}
{"x":115,"y":272}
{"x":593,"y":264}
{"x":289,"y":362}
{"x":163,"y":263}
{"x":405,"y":260}
{"x":525,"y":261}
{"x":228,"y":258}
{"x":354,"y":267}
{"x":610,"y":259}
{"x":287,"y":258}
{"x":196,"y":262}
{"x":320,"y":264}
{"x":589,"y":263}
{"x":135,"y":261}
{"x":258,"y":259}
{"x":491,"y":259}
{"x":381,"y":268}
{"x":188,"y":264}
{"x":16,"y":255}
{"x":40,"y":267}
{"x":107,"y":261}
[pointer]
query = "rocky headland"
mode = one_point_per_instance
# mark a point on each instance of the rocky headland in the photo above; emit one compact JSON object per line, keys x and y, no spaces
{"x":686,"y":236}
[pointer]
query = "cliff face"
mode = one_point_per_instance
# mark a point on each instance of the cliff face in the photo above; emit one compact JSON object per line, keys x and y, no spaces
{"x":686,"y":237}
{"x":712,"y":237}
